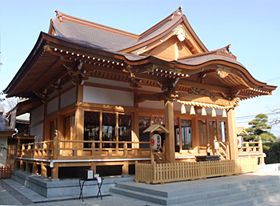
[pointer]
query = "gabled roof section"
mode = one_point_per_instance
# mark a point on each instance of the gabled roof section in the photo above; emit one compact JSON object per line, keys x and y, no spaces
{"x":166,"y":36}
{"x":160,"y":39}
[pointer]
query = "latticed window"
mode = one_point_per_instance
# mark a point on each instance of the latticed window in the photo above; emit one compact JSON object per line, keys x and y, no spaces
{"x":108,"y":128}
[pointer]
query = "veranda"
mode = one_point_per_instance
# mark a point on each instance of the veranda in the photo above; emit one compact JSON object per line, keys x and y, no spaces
{"x":46,"y":154}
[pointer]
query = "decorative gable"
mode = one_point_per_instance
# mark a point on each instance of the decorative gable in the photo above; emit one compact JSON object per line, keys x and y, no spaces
{"x":177,"y":44}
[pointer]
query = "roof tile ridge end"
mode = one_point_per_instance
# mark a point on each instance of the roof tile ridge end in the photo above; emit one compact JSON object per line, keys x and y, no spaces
{"x":61,"y":16}
{"x":225,"y":51}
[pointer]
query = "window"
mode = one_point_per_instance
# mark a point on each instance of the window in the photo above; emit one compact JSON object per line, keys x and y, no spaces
{"x":222,"y":132}
{"x":202,"y":133}
{"x":214,"y":128}
{"x":92,"y":127}
{"x":109,"y":123}
{"x":69,"y":132}
{"x":212,"y":131}
{"x":125,"y":129}
{"x":144,"y":123}
{"x":186,"y":132}
{"x":108,"y":129}
{"x":52,"y":129}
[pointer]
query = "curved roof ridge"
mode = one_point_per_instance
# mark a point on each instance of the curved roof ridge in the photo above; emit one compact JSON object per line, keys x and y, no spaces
{"x":61,"y":17}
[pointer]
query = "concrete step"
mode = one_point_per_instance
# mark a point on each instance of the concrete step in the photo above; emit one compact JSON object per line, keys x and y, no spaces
{"x":139,"y":195}
{"x":244,"y":192}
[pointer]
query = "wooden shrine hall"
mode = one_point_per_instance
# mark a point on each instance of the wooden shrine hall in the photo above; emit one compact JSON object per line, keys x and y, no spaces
{"x":94,"y":92}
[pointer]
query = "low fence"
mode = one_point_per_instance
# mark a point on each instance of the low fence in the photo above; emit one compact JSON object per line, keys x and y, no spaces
{"x":170,"y":172}
{"x":5,"y":172}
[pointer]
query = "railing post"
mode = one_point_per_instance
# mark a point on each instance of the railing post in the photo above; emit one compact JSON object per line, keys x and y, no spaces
{"x":44,"y":149}
{"x":93,"y":149}
{"x":29,"y":149}
{"x":18,"y":148}
{"x":227,"y":145}
{"x":125,"y":149}
{"x":22,"y":149}
{"x":247,"y":147}
{"x":36,"y":151}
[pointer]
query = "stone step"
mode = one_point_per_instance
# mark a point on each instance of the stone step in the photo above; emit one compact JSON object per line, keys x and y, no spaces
{"x":152,"y":189}
{"x":223,"y":194}
{"x":139,"y":195}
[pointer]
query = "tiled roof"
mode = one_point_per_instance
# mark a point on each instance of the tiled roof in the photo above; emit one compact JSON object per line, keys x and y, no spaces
{"x":207,"y":58}
{"x":92,"y":36}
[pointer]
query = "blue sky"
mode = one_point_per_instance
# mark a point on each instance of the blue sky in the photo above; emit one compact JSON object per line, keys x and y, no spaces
{"x":251,"y":26}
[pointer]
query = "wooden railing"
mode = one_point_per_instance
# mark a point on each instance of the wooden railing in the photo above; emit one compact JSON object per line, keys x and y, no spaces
{"x":5,"y":172}
{"x":170,"y":172}
{"x":87,"y":149}
{"x":223,"y":151}
{"x":252,"y":149}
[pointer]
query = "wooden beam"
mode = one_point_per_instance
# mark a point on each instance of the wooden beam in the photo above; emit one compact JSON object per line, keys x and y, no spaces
{"x":187,"y":83}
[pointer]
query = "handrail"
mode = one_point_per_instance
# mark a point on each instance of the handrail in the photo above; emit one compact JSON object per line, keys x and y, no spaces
{"x":113,"y":149}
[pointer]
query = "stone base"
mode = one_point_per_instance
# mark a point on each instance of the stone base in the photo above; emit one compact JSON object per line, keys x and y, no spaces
{"x":64,"y":188}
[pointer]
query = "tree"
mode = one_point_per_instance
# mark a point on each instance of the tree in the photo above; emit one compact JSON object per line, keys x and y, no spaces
{"x":259,"y":128}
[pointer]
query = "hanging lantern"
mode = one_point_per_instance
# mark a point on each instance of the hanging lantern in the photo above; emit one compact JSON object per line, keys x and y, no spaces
{"x":192,"y":111}
{"x":213,"y":112}
{"x":155,"y":141}
{"x":224,"y":113}
{"x":183,"y":109}
{"x":203,"y":112}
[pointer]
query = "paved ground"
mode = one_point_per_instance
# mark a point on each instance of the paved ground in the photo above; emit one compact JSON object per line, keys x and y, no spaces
{"x":13,"y":193}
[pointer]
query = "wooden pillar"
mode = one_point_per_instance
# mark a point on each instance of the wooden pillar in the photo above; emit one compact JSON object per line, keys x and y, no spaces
{"x":43,"y":170}
{"x":79,"y":122}
{"x":169,"y":138}
{"x":93,"y":166}
{"x":231,"y":132}
{"x":135,"y":126}
{"x":35,"y":168}
{"x":54,"y":169}
{"x":27,"y":166}
{"x":135,"y":129}
{"x":125,"y":168}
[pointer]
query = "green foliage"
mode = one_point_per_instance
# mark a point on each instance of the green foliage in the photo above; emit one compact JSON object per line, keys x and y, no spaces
{"x":258,"y":129}
{"x":272,"y":151}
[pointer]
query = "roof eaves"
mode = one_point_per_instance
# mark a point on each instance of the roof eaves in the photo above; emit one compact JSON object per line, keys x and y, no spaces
{"x":217,"y":58}
{"x":27,"y":65}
